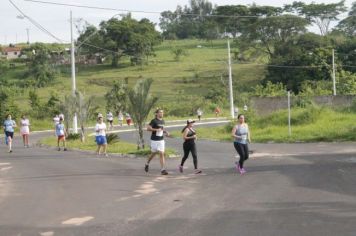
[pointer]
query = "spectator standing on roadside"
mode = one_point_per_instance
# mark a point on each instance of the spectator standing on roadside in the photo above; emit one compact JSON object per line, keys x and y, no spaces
{"x":61,"y":134}
{"x":100,"y":135}
{"x":199,"y":113}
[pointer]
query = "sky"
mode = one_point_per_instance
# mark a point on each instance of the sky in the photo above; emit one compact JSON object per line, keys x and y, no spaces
{"x":55,"y":19}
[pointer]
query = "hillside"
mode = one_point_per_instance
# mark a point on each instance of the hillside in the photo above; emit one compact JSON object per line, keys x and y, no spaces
{"x":204,"y":67}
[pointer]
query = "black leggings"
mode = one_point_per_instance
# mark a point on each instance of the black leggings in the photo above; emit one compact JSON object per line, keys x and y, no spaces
{"x":190,"y":147}
{"x":242,"y":150}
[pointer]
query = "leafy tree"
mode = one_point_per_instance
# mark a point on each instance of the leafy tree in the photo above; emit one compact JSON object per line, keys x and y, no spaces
{"x":40,"y":71}
{"x":116,"y":98}
{"x":188,"y":21}
{"x":274,"y":30}
{"x":129,"y":37}
{"x":320,"y":14}
{"x":7,"y":105}
{"x":90,"y":41}
{"x":307,"y":57}
{"x":141,"y":103}
{"x":178,"y":52}
{"x":346,"y":84}
{"x":348,"y":25}
{"x":346,"y":53}
{"x":233,"y":25}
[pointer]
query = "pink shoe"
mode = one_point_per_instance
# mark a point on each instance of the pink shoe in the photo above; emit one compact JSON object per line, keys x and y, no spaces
{"x":243,"y":171}
{"x":237,"y":166}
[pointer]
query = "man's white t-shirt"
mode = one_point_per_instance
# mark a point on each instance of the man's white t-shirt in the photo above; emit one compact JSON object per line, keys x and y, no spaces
{"x":100,"y":129}
{"x":109,"y":116}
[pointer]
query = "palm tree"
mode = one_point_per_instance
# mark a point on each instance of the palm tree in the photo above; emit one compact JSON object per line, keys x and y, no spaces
{"x":140,"y":105}
{"x":84,"y":110}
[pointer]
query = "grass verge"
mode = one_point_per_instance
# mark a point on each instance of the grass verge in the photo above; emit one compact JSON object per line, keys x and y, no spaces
{"x":118,"y":148}
{"x":313,"y":124}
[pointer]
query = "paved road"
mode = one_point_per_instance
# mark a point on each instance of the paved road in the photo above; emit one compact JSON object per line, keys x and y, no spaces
{"x":290,"y":189}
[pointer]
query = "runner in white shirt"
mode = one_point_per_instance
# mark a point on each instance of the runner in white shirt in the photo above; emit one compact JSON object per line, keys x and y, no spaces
{"x":120,"y":117}
{"x":110,"y":118}
{"x":25,"y":130}
{"x":100,"y":136}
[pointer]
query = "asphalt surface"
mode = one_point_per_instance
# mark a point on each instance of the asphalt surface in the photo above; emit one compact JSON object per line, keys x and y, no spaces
{"x":289,"y":189}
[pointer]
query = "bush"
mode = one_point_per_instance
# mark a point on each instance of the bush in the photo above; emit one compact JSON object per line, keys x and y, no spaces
{"x":112,"y":138}
{"x":73,"y":136}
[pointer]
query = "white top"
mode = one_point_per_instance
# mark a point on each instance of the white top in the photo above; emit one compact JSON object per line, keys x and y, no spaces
{"x":56,"y":120}
{"x":100,"y":129}
{"x":120,"y":116}
{"x":25,"y":123}
{"x":109,"y":116}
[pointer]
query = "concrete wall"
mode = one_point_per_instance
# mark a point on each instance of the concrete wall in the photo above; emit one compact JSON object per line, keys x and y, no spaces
{"x":264,"y":106}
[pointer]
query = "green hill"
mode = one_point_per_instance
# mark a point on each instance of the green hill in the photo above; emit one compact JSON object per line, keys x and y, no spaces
{"x":193,"y":76}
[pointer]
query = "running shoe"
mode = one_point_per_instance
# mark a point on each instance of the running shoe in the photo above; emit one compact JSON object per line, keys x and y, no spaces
{"x":146,"y":167}
{"x":243,"y":171}
{"x":197,"y":171}
{"x":59,"y":149}
{"x":10,"y":151}
{"x":65,"y":149}
{"x":237,"y":166}
{"x":164,"y":172}
{"x":180,"y":168}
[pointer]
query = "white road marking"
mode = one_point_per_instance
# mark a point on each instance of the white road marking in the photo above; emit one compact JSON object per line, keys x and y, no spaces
{"x":4,"y":163}
{"x":5,"y":168}
{"x":50,"y":233}
{"x":77,"y":221}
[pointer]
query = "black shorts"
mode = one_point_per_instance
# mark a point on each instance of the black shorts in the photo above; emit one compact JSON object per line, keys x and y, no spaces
{"x":9,"y":134}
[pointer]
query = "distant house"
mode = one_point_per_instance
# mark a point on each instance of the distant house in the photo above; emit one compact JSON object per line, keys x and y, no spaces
{"x":11,"y":52}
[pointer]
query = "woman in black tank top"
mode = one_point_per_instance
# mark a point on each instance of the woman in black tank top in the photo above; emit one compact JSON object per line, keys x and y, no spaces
{"x":189,"y":136}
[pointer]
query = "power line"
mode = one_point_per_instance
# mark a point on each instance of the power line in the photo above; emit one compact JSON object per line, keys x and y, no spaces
{"x":135,"y":11}
{"x":39,"y":26}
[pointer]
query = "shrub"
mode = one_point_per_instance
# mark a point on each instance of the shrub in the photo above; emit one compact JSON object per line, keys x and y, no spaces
{"x":73,"y":136}
{"x":112,"y":138}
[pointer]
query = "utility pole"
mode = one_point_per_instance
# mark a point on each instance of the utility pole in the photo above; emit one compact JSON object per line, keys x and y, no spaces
{"x":75,"y":123}
{"x":230,"y":83}
{"x":289,"y":115}
{"x":334,"y":79}
{"x":28,"y":36}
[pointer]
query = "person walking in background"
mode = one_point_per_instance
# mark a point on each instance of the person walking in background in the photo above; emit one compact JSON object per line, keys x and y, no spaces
{"x":9,"y":129}
{"x":156,"y":126}
{"x":25,"y":130}
{"x":100,"y":136}
{"x":189,"y":136}
{"x":242,"y":137}
{"x":110,"y":118}
{"x":217,"y":111}
{"x":199,"y":113}
{"x":120,"y":118}
{"x":128,"y":119}
{"x":61,"y":134}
